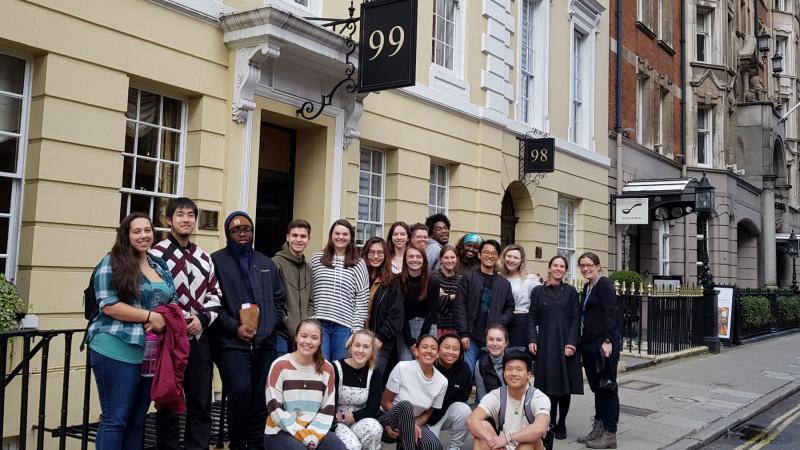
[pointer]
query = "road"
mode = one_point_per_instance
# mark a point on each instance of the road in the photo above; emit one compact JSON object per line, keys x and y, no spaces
{"x":777,"y":428}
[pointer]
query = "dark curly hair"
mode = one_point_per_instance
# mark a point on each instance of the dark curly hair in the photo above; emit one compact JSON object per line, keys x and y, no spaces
{"x":433,"y":218}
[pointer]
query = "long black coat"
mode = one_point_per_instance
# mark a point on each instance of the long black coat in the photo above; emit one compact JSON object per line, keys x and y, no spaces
{"x":386,"y":315}
{"x":601,"y":321}
{"x":554,"y":322}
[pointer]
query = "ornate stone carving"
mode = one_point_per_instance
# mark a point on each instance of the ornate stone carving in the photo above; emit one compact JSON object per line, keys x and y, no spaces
{"x":248,"y":73}
{"x":354,"y":108}
{"x":756,"y":91}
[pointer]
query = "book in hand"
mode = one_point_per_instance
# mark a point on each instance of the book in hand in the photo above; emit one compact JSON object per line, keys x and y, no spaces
{"x":248,"y":316}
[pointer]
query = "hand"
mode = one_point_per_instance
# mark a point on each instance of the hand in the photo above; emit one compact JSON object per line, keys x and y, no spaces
{"x":465,"y":343}
{"x":442,"y":293}
{"x":378,"y":344}
{"x":245,"y":334}
{"x":417,"y":433}
{"x":532,"y":347}
{"x":194,"y":327}
{"x":156,"y":324}
{"x":391,"y":432}
{"x":606,"y":349}
{"x":311,"y":445}
{"x":569,"y":350}
{"x":497,"y":442}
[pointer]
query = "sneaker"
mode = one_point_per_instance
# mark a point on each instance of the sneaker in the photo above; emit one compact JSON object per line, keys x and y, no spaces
{"x":597,"y":430}
{"x":606,"y":440}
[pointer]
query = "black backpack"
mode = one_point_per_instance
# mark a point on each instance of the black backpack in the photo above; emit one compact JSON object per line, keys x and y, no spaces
{"x":90,"y":309}
{"x":547,"y":439}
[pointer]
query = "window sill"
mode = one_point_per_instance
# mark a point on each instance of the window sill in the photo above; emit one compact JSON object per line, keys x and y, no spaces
{"x":444,"y":80}
{"x":707,"y":65}
{"x":666,"y":46}
{"x":644,"y":28}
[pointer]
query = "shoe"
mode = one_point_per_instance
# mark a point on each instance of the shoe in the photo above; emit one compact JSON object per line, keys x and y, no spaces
{"x":560,"y":431}
{"x":597,"y":430}
{"x":606,"y":440}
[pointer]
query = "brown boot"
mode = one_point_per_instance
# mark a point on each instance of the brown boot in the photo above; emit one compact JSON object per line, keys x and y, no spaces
{"x":606,"y":440}
{"x":597,"y":430}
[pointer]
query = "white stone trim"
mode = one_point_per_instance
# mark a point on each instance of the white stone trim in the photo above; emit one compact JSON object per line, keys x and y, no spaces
{"x":496,"y":45}
{"x":205,"y":10}
{"x":584,"y":16}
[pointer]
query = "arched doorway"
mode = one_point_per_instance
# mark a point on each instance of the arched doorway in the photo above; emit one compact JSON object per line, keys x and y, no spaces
{"x":747,"y":267}
{"x":508,"y":220}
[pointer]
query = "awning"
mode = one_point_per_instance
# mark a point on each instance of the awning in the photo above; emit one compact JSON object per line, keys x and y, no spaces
{"x":665,"y":199}
{"x":668,"y":186}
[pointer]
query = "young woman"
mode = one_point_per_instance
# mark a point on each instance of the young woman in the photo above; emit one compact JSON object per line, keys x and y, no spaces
{"x":358,"y":395}
{"x":341,"y":289}
{"x":300,"y":418}
{"x":489,"y":368}
{"x":398,"y":238}
{"x":385,"y":317}
{"x":511,"y":265}
{"x":553,"y":332}
{"x":600,"y":346}
{"x":421,"y":300}
{"x":128,"y":285}
{"x":414,"y":390}
{"x":449,"y":280}
{"x":453,"y":414}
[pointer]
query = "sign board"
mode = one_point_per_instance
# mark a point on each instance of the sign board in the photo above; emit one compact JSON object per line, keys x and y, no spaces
{"x":666,"y":282}
{"x":387,"y":52}
{"x":632,"y":211}
{"x":539,"y":155}
{"x":725,"y":307}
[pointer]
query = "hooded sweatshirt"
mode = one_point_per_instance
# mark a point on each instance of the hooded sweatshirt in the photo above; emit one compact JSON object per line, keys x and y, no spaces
{"x":296,"y":276}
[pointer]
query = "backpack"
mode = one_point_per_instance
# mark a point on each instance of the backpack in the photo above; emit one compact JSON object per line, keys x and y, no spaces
{"x":90,"y":309}
{"x":547,"y":439}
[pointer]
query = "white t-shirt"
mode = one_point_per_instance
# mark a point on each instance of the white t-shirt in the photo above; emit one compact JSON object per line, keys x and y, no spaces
{"x":409,"y":384}
{"x":515,"y":412}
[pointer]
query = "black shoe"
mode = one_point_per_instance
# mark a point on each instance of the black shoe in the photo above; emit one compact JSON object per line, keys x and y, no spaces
{"x":560,"y":432}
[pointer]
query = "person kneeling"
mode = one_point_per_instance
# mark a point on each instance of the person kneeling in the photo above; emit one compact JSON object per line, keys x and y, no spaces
{"x":519,"y":413}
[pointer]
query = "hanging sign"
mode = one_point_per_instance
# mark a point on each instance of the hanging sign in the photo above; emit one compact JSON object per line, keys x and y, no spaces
{"x":632,"y":211}
{"x":539,"y":155}
{"x":387,"y":52}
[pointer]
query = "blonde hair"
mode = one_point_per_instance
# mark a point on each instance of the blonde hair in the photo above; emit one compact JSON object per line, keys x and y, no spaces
{"x":364,"y":332}
{"x":501,"y":261}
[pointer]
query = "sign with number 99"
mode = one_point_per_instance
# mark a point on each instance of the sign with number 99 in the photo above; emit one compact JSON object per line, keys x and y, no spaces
{"x":388,"y":47}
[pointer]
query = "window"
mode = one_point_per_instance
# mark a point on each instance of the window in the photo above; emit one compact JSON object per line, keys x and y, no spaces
{"x":780,"y":47}
{"x":665,"y":22}
{"x":640,"y":124}
{"x":644,"y":12}
{"x":705,"y":136}
{"x":438,"y":189}
{"x":703,"y":36}
{"x":444,"y":33}
{"x":663,"y":128}
{"x":663,"y":247}
{"x":527,"y":62}
{"x":578,"y":44}
{"x":371,"y":174}
{"x":780,"y":5}
{"x":14,"y":98}
{"x":152,"y":169}
{"x":566,"y":232}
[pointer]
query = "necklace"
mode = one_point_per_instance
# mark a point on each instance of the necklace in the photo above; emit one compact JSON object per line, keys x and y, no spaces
{"x":516,"y":405}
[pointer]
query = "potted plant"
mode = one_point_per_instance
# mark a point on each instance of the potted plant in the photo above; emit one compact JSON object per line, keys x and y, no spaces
{"x":12,"y":310}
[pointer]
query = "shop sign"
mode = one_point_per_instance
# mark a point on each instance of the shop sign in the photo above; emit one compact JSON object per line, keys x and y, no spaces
{"x":632,"y":211}
{"x":539,"y":155}
{"x":388,"y":48}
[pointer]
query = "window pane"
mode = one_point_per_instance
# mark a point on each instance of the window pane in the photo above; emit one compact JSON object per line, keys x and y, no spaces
{"x":432,"y":195}
{"x":377,"y":162}
{"x":170,"y":145}
{"x":433,"y":173}
{"x":363,"y":183}
{"x":145,"y":175}
{"x":376,"y":187}
{"x":12,"y":74}
{"x":5,"y":194}
{"x":363,"y":208}
{"x":139,"y":203}
{"x":127,"y":171}
{"x":172,"y":113}
{"x":440,"y":197}
{"x":133,"y":96}
{"x":375,"y":210}
{"x":160,"y":212}
{"x":130,"y":137}
{"x":8,"y":153}
{"x":147,"y":141}
{"x":442,"y":175}
{"x":168,"y":182}
{"x":365,"y":160}
{"x":10,"y":113}
{"x":4,"y":232}
{"x":150,"y":108}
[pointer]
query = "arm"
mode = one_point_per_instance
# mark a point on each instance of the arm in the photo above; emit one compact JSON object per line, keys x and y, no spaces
{"x":212,"y":303}
{"x":466,"y":390}
{"x":393,"y":321}
{"x":610,"y":310}
{"x":310,"y":311}
{"x":533,"y":316}
{"x":480,"y":387}
{"x":108,"y":300}
{"x":387,"y":400}
{"x":422,"y":419}
{"x":321,"y":424}
{"x":574,"y":326}
{"x":533,"y":432}
{"x":278,"y":292}
{"x":508,"y":303}
{"x":276,"y":415}
{"x":434,"y":301}
{"x":361,"y":296}
{"x":462,"y":315}
{"x":475,"y":425}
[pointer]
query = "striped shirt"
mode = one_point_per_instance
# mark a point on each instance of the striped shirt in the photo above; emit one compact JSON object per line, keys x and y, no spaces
{"x":195,"y":281}
{"x":341,"y":294}
{"x":449,"y":285}
{"x":300,"y":401}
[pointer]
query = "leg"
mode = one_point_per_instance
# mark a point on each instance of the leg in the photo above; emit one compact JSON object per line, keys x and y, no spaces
{"x":327,"y":336}
{"x":455,"y":420}
{"x":260,"y":362}
{"x":564,"y":401}
{"x":553,"y":406}
{"x":234,"y":369}
{"x":281,"y":346}
{"x":197,"y":387}
{"x":609,"y":401}
{"x":401,"y":417}
{"x":283,"y":441}
{"x":133,"y":439}
{"x":340,"y":336}
{"x":428,"y":440}
{"x":117,"y":386}
{"x":480,"y":444}
{"x":404,"y":352}
{"x":167,"y":428}
{"x":471,"y":356}
{"x":369,"y":433}
{"x":348,"y":437}
{"x":331,"y":442}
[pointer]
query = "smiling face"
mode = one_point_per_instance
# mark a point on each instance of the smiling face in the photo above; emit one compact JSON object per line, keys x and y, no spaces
{"x":140,"y":234}
{"x":427,"y":351}
{"x":558,"y":268}
{"x":399,"y":237}
{"x":516,"y":373}
{"x":361,"y":349}
{"x":589,"y":269}
{"x":413,"y":260}
{"x":449,"y":260}
{"x":513,"y":260}
{"x":496,"y":342}
{"x":420,"y":238}
{"x":471,"y":251}
{"x":297,"y":238}
{"x":488,"y":256}
{"x":308,"y":339}
{"x":449,"y":351}
{"x":441,"y":232}
{"x":340,"y":237}
{"x":375,"y":255}
{"x":182,"y":222}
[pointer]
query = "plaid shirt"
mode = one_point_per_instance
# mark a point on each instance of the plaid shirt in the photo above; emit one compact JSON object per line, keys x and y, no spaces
{"x":128,"y":332}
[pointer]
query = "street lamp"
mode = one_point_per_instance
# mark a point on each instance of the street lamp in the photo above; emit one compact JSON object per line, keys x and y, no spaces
{"x":704,"y":202}
{"x":763,"y":41}
{"x":777,"y":62}
{"x":794,"y":251}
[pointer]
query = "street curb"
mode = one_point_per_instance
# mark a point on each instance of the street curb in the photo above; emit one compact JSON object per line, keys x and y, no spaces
{"x":714,"y":430}
{"x":650,"y":361}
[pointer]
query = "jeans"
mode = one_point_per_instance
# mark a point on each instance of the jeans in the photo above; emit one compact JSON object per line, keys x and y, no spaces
{"x":124,"y":399}
{"x":606,"y":403}
{"x":285,"y":441}
{"x":334,"y":338}
{"x":472,"y":354}
{"x":281,"y":346}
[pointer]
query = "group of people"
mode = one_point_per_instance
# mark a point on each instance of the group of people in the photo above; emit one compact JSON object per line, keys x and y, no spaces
{"x":348,"y":348}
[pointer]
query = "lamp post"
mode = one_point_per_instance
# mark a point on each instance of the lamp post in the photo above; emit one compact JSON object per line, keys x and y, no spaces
{"x":794,"y":251}
{"x":704,"y":205}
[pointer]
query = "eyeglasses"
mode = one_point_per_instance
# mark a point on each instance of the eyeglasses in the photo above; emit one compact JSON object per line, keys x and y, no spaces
{"x":375,"y":253}
{"x":586,"y":266}
{"x":240,"y":230}
{"x":489,"y":254}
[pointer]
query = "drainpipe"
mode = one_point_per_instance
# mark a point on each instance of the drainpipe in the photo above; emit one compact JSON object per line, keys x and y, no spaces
{"x":687,"y":235}
{"x":684,"y":114}
{"x":618,"y":125}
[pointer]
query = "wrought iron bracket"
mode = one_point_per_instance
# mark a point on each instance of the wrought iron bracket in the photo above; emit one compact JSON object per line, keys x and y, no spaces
{"x":311,"y":110}
{"x":530,"y":178}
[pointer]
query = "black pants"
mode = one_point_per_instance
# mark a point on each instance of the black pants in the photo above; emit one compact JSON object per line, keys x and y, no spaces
{"x":606,"y":402}
{"x":197,"y":389}
{"x":244,"y":378}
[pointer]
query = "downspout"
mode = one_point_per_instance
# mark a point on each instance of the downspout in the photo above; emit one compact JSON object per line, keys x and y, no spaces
{"x":618,"y":125}
{"x":684,"y":114}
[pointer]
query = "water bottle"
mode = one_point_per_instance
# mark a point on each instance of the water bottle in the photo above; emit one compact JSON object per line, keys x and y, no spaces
{"x":150,"y":355}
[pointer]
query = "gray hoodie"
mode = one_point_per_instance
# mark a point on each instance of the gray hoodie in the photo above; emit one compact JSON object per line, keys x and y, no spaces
{"x":296,"y":276}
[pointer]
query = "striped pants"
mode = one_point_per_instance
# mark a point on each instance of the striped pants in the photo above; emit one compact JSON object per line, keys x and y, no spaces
{"x":401,"y":418}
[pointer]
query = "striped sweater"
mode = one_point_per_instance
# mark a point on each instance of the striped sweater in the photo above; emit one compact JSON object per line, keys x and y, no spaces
{"x":341,"y":294}
{"x":195,"y":281}
{"x":300,"y":401}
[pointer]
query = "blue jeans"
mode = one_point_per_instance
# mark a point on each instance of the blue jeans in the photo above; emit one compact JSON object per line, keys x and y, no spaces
{"x":334,"y":338}
{"x":124,"y":400}
{"x":472,"y":354}
{"x":281,"y":346}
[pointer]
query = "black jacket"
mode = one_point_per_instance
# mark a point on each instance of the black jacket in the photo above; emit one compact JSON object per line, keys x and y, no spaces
{"x":469,"y":294}
{"x":269,"y":293}
{"x":601,"y":319}
{"x":430,"y":305}
{"x":459,"y":387}
{"x":386,"y":314}
{"x":490,"y":379}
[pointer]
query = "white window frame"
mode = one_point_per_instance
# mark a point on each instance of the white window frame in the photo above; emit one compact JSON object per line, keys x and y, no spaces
{"x":640,"y":90}
{"x":533,"y":112}
{"x":780,"y":5}
{"x":707,"y":135}
{"x":435,"y":184}
{"x":663,"y":247}
{"x":368,"y":195}
{"x":314,"y":7}
{"x":451,"y":81}
{"x":564,"y":248}
{"x":662,"y":103}
{"x":180,"y":164}
{"x":15,"y":207}
{"x":782,"y":47}
{"x":707,"y":33}
{"x":584,"y":16}
{"x":641,"y":7}
{"x":662,"y":26}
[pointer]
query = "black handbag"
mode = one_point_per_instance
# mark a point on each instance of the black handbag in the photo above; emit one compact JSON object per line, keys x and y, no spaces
{"x":604,"y":369}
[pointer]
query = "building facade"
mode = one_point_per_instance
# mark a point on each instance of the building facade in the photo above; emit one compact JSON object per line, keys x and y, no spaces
{"x":112,"y":107}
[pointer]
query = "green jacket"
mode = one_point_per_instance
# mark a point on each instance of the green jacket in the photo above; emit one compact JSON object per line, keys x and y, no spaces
{"x":296,"y":276}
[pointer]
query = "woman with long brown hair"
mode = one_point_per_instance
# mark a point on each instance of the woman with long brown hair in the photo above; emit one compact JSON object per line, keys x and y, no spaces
{"x":421,"y":300}
{"x":398,"y":239}
{"x":128,"y":285}
{"x":341,"y":289}
{"x":511,"y":265}
{"x":385,"y":311}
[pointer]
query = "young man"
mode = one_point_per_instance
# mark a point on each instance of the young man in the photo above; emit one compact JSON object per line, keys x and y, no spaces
{"x":487,"y":300}
{"x":419,"y":235}
{"x":296,"y":275}
{"x":439,"y":232}
{"x":243,"y":341}
{"x":516,"y":429}
{"x":199,"y":296}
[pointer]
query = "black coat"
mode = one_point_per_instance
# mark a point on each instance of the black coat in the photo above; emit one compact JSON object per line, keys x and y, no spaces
{"x":469,"y":294}
{"x":268,"y":292}
{"x":601,"y":319}
{"x":491,"y":380}
{"x":430,"y":304}
{"x":386,"y":313}
{"x":554,"y":322}
{"x":459,"y":388}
